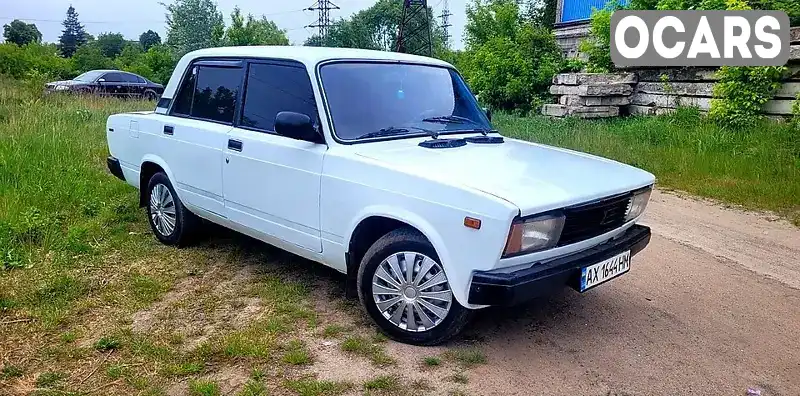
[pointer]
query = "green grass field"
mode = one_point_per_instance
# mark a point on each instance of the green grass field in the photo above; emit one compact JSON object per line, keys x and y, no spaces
{"x":757,"y":169}
{"x":91,"y":303}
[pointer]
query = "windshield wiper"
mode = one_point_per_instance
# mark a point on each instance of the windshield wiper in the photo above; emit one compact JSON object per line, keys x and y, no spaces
{"x":392,"y":131}
{"x":454,"y":119}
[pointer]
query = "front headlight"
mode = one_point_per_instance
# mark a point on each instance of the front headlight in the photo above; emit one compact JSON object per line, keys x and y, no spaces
{"x":62,"y":88}
{"x":638,"y":204}
{"x":536,"y":233}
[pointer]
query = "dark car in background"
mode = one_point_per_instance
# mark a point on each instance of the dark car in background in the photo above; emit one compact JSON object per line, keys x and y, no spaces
{"x":109,"y":83}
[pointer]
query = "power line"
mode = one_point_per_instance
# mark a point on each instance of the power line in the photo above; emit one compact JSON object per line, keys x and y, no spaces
{"x":415,"y":29}
{"x":445,"y":16}
{"x":130,"y":20}
{"x":324,"y":21}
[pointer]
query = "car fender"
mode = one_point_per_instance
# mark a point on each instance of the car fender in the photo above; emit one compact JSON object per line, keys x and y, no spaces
{"x":458,"y":279}
{"x":163,"y":164}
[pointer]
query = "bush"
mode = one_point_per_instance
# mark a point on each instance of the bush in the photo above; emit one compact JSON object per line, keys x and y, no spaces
{"x":796,"y":112}
{"x":597,"y":47}
{"x":509,"y":63}
{"x":19,"y":62}
{"x":741,"y":92}
{"x":89,"y":57}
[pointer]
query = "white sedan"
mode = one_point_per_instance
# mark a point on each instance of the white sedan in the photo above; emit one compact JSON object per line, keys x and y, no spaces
{"x":382,"y":166}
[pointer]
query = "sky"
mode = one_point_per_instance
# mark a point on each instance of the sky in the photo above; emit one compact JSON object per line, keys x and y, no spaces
{"x":131,"y":18}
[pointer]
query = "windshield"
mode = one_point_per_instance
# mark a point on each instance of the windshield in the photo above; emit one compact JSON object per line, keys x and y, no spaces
{"x":89,"y":76}
{"x":403,"y":99}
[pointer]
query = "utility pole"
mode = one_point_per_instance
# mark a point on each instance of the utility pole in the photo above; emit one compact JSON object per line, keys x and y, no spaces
{"x":324,"y":21}
{"x":446,"y":21}
{"x":415,"y":29}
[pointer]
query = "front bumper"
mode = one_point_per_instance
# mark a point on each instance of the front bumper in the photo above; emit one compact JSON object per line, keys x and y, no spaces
{"x":115,"y":168}
{"x":489,"y":288}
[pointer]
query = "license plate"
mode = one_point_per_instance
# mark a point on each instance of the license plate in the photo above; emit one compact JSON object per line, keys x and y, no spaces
{"x":596,"y":274}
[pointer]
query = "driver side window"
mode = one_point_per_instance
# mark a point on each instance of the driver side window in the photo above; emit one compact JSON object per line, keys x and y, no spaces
{"x":273,"y":88}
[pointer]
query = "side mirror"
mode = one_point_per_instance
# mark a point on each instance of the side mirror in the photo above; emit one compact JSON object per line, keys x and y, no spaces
{"x":296,"y":126}
{"x":101,"y":80}
{"x":488,"y":112}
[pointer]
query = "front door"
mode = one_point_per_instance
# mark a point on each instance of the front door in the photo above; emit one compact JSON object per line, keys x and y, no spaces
{"x":272,"y":183}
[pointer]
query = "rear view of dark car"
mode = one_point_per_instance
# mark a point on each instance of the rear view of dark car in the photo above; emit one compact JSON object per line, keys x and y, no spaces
{"x":109,"y":83}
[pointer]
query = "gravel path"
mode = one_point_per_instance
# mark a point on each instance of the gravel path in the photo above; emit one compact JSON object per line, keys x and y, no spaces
{"x":711,"y":307}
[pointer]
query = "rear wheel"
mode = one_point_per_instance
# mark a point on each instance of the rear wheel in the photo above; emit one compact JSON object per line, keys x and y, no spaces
{"x":405,"y":291}
{"x":150,"y":95}
{"x":170,"y":221}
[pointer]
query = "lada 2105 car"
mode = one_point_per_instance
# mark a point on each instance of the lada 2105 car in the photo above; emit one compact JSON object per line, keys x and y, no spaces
{"x":383,"y":166}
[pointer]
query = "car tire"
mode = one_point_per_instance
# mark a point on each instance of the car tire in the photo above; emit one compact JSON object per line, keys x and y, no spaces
{"x":171,"y":222}
{"x":150,"y":95}
{"x":426,"y":297}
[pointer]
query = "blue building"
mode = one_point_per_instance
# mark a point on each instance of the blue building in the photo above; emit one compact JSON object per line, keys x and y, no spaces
{"x":572,"y":22}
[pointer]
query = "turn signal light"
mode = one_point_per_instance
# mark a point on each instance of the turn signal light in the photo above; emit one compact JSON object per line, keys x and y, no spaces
{"x":472,"y":222}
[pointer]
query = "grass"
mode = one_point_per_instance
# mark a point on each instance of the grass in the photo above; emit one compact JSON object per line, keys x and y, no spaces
{"x":78,"y":266}
{"x":333,"y":331}
{"x":203,"y":388}
{"x":297,"y":353}
{"x":431,"y":361}
{"x":466,"y":357}
{"x":383,"y":383}
{"x":757,"y":168}
{"x":370,"y":349}
{"x":314,"y":387}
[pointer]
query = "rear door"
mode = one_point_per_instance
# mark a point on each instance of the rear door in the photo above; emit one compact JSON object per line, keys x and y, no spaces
{"x":134,"y":84}
{"x":195,"y":131}
{"x":271,"y":182}
{"x":113,"y":84}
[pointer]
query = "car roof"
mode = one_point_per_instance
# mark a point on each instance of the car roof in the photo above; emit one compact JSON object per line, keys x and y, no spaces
{"x":311,"y":56}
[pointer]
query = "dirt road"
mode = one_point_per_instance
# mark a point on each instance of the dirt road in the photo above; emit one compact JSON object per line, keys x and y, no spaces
{"x":711,"y":307}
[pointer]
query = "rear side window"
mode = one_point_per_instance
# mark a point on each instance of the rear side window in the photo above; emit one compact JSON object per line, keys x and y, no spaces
{"x":113,"y":77}
{"x":215,"y":93}
{"x":209,"y":92}
{"x":183,"y":101}
{"x":132,"y":78}
{"x":272,"y":88}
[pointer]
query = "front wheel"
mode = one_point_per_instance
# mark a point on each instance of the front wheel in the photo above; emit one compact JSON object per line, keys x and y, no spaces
{"x":405,"y":291}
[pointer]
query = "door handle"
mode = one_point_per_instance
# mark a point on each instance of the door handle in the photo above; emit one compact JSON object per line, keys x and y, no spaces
{"x":235,"y":145}
{"x":169,"y":129}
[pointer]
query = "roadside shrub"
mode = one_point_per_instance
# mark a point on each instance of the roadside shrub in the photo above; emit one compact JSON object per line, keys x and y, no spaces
{"x":796,"y":112}
{"x":18,"y":62}
{"x":597,"y":46}
{"x":573,"y":65}
{"x":509,"y":62}
{"x":89,"y":57}
{"x":741,"y":92}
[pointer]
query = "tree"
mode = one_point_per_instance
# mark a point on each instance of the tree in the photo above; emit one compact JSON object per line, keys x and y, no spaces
{"x":376,"y":28}
{"x":193,"y":24}
{"x":509,"y":62}
{"x":253,"y":32}
{"x":89,"y":57}
{"x":21,"y":33}
{"x":110,"y":44}
{"x":73,"y":35}
{"x":542,"y":12}
{"x":149,"y":39}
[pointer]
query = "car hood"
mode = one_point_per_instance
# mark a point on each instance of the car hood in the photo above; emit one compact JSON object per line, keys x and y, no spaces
{"x":65,"y":82}
{"x":533,"y":177}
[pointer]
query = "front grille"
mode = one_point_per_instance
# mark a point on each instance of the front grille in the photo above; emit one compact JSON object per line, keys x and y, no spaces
{"x":593,"y":219}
